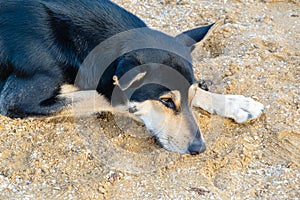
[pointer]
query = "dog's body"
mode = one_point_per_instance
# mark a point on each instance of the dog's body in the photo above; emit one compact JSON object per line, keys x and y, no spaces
{"x":98,"y":46}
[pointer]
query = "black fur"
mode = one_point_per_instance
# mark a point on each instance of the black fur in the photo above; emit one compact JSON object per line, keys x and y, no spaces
{"x":43,"y":43}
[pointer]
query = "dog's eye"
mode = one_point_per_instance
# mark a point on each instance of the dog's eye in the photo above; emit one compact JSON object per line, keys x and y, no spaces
{"x":168,"y":102}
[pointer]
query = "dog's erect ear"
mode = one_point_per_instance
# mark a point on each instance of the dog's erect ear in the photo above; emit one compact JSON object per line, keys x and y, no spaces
{"x":191,"y":37}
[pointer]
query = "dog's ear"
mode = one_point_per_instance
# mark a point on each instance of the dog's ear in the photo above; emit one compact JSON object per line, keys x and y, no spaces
{"x":127,"y":62}
{"x":127,"y":78}
{"x":125,"y":86}
{"x":132,"y":81}
{"x":128,"y":73}
{"x":191,"y":37}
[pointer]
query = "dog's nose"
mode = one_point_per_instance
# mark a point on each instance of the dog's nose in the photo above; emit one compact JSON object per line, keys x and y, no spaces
{"x":197,"y":147}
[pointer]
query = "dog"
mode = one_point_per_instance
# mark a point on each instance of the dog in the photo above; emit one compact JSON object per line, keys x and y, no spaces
{"x":114,"y":61}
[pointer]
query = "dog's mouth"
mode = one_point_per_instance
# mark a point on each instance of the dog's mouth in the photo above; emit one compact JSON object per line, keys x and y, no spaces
{"x":170,"y":145}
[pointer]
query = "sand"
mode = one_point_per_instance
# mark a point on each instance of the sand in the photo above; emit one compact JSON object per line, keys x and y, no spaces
{"x":256,"y":52}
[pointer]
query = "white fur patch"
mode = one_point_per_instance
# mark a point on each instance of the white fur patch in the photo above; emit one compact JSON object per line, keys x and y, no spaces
{"x":237,"y":107}
{"x":242,"y":108}
{"x":85,"y":103}
{"x":67,"y":88}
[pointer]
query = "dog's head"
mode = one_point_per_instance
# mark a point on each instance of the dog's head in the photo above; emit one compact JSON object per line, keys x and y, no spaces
{"x":162,"y":98}
{"x":158,"y":86}
{"x":151,"y":74}
{"x":168,"y":116}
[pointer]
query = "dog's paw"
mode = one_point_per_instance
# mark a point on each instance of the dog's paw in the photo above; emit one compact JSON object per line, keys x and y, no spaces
{"x":242,"y":109}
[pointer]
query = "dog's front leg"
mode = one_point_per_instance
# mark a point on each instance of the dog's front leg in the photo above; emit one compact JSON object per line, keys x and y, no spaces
{"x":237,"y":107}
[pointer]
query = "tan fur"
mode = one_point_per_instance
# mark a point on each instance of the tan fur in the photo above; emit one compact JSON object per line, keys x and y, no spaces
{"x":175,"y":96}
{"x":174,"y":130}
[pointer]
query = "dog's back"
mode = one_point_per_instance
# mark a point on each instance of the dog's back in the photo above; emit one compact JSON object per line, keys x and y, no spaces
{"x":43,"y":43}
{"x":68,"y":30}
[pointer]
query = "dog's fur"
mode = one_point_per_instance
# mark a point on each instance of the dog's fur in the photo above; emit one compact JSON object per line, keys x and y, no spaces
{"x":98,"y":46}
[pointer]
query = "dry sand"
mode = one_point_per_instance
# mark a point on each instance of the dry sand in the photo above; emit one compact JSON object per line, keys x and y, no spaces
{"x":254,"y":53}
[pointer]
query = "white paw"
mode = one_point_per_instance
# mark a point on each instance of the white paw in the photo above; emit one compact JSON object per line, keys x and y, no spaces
{"x":242,"y":108}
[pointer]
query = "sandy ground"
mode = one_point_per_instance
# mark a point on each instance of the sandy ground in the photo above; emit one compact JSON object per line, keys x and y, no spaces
{"x":254,"y":53}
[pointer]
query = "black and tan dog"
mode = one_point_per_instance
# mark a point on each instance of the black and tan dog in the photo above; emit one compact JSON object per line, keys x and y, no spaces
{"x":114,"y":60}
